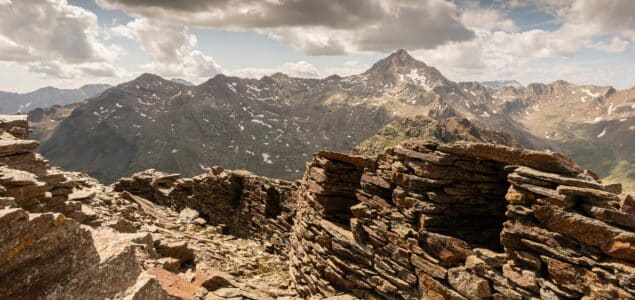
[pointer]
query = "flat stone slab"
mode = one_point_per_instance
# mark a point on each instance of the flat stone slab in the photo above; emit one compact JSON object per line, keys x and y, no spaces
{"x":10,"y":147}
{"x":540,"y":160}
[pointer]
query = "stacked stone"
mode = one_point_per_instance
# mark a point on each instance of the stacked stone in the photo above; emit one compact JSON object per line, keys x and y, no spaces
{"x":326,"y":259}
{"x":332,"y":180}
{"x":266,"y":211}
{"x":568,"y":236}
{"x":441,"y":192}
{"x":429,"y":220}
{"x":28,"y":178}
{"x":246,"y":204}
{"x":217,"y":195}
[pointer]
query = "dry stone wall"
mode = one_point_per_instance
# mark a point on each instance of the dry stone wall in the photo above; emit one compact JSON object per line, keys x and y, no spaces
{"x":461,"y":221}
{"x":246,"y":204}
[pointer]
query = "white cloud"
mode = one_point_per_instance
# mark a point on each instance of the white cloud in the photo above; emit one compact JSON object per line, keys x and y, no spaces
{"x":487,"y":19}
{"x":293,"y":69}
{"x":171,"y":47}
{"x":302,"y":69}
{"x":318,"y":27}
{"x":50,"y":29}
{"x":616,"y":16}
{"x":616,"y":44}
{"x":70,"y":71}
{"x":351,"y":67}
{"x":54,"y":39}
{"x":499,"y":52}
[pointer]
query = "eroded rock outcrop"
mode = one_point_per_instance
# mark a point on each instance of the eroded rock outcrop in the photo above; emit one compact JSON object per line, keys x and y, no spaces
{"x":64,"y":235}
{"x":461,"y":221}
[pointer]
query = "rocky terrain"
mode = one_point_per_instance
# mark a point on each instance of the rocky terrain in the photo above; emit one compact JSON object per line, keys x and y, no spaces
{"x":46,"y":97}
{"x":273,"y":124}
{"x":106,"y":244}
{"x":447,"y":129}
{"x":423,"y":219}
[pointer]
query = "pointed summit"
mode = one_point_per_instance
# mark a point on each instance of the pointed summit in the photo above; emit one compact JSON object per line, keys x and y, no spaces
{"x":398,"y":59}
{"x":402,"y":57}
{"x":400,"y":66}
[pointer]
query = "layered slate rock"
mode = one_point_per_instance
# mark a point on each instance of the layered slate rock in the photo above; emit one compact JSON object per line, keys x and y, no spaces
{"x":28,"y":178}
{"x":48,"y":255}
{"x":16,"y":125}
{"x":461,"y":221}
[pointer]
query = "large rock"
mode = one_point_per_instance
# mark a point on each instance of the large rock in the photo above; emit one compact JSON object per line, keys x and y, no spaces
{"x":613,"y":241}
{"x":10,"y":147}
{"x":540,"y":160}
{"x":50,"y":255}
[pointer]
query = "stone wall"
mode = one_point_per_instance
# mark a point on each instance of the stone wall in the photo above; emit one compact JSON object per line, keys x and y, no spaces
{"x":461,"y":220}
{"x":246,"y":204}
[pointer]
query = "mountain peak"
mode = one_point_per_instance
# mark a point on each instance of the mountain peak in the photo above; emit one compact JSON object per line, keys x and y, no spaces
{"x":401,"y":55}
{"x":149,"y":77}
{"x":398,"y":60}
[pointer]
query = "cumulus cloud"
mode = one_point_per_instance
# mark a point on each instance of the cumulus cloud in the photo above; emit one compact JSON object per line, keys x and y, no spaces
{"x":54,"y":39}
{"x":488,"y":19}
{"x":294,"y":69}
{"x":616,"y":44}
{"x":171,"y":47}
{"x":351,"y":67}
{"x":318,"y":27}
{"x":501,"y":51}
{"x":50,"y":29}
{"x":616,"y":16}
{"x":60,"y":70}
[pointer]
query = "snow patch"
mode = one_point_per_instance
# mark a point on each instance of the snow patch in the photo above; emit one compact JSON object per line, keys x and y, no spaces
{"x":260,"y":122}
{"x":588,"y":92}
{"x":597,"y":119}
{"x":602,"y":133}
{"x":265,"y":158}
{"x":174,"y":151}
{"x":420,"y":79}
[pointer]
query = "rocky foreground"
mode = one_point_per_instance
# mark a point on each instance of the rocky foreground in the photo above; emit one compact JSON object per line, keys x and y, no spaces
{"x":461,"y":220}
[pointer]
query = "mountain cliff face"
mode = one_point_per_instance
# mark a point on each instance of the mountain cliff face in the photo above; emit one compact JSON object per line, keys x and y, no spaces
{"x":272,"y":124}
{"x":47,"y":97}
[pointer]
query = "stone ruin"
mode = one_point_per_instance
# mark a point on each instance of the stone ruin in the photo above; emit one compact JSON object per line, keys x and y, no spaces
{"x":461,"y":221}
{"x":420,"y":221}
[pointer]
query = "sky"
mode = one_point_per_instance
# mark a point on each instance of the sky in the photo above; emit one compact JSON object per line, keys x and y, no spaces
{"x":69,"y":43}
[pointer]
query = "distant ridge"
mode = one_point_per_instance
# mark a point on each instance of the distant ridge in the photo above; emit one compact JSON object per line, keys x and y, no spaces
{"x":47,"y":97}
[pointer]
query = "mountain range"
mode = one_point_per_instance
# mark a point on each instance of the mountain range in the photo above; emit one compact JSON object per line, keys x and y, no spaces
{"x":270,"y":125}
{"x":46,"y":97}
